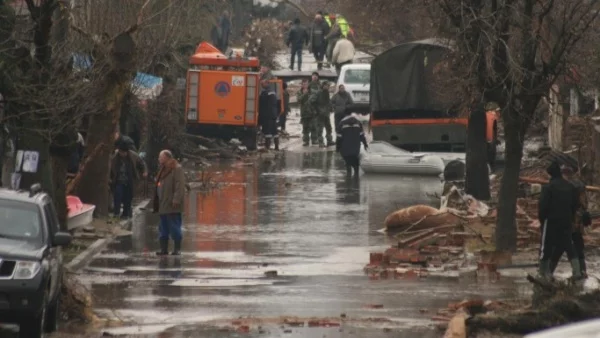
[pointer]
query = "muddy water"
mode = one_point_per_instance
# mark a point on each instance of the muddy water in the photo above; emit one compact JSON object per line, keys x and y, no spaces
{"x":297,"y":215}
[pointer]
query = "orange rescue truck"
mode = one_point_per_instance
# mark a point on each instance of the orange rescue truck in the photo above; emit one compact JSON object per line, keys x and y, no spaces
{"x":222,"y":95}
{"x":404,"y":109}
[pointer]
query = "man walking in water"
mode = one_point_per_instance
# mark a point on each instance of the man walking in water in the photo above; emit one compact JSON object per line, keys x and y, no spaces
{"x":350,"y":136}
{"x":168,"y":202}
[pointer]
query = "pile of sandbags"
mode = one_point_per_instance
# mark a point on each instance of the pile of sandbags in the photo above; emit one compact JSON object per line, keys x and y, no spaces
{"x":263,"y":39}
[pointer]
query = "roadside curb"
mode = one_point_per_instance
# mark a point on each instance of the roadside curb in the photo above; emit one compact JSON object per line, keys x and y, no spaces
{"x":88,"y":254}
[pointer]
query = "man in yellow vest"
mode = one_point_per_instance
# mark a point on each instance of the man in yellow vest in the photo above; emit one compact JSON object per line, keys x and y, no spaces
{"x":326,"y":17}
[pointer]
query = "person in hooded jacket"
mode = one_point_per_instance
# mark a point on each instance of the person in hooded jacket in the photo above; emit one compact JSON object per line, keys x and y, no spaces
{"x":557,"y":206}
{"x":348,"y":142}
{"x":296,"y":39}
{"x":340,"y":102}
{"x":268,"y":113}
{"x":582,"y":220}
{"x":318,"y":43}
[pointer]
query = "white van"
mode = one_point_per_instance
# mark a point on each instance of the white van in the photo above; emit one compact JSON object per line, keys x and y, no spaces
{"x":356,"y":78}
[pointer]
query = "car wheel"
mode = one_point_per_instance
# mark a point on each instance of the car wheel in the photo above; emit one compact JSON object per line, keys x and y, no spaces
{"x":52,"y":315}
{"x":33,"y":326}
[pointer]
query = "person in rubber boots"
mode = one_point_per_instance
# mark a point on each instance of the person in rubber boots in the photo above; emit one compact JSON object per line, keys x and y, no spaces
{"x":322,"y":103}
{"x":269,"y":111}
{"x":169,"y":194}
{"x":307,"y":116}
{"x":557,"y":206}
{"x":349,"y":138}
{"x":582,"y":220}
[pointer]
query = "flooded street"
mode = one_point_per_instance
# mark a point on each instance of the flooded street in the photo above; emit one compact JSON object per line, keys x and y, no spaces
{"x":286,"y":236}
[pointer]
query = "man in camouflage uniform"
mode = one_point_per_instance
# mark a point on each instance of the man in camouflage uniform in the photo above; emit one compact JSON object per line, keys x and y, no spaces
{"x":307,"y":116}
{"x":322,"y":104}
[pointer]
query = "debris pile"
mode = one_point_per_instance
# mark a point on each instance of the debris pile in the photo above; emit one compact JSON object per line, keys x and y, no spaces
{"x":75,"y":300}
{"x":432,"y":241}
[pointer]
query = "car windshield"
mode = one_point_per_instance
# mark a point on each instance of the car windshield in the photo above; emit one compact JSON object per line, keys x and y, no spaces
{"x":20,"y":220}
{"x":357,"y":76}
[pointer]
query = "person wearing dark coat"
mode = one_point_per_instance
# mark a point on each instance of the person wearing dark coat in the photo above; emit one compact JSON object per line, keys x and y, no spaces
{"x":296,"y":39}
{"x":268,"y":113}
{"x":558,"y":204}
{"x":582,"y":220}
{"x":318,"y":43}
{"x":349,"y":139}
{"x":126,"y":170}
{"x":220,"y":32}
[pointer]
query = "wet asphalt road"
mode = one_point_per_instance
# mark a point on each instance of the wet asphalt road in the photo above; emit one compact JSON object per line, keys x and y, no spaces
{"x":295,"y":214}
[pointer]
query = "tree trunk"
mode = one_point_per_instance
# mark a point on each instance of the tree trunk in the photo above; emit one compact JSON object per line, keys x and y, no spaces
{"x":477,"y":182}
{"x":94,"y":186}
{"x":506,"y":226}
{"x":555,"y":120}
{"x":59,"y":173}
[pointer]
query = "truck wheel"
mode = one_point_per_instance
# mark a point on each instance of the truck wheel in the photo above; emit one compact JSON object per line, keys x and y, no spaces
{"x":52,"y":315}
{"x":32,"y":326}
{"x":250,"y":139}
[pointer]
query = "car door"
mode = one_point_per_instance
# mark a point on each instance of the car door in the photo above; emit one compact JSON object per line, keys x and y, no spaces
{"x":55,"y":254}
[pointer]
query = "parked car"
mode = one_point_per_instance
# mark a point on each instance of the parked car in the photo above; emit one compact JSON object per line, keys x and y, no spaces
{"x":31,"y":263}
{"x":585,"y":329}
{"x":356,"y":77}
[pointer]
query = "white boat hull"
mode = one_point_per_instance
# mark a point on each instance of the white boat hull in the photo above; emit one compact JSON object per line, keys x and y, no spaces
{"x":81,"y":218}
{"x":422,"y":165}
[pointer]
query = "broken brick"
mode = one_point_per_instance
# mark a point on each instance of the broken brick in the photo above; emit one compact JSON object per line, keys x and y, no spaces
{"x":375,"y":258}
{"x":404,"y":256}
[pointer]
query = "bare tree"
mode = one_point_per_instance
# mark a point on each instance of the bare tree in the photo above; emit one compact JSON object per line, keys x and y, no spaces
{"x":165,"y":31}
{"x":511,"y":52}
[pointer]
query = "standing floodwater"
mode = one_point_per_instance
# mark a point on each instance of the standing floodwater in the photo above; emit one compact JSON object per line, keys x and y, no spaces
{"x":287,"y":236}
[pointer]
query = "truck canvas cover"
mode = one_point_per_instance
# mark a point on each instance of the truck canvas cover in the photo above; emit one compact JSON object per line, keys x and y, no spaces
{"x":409,"y":77}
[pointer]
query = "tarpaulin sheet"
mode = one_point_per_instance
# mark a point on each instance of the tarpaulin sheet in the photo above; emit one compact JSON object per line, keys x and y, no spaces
{"x":405,"y":77}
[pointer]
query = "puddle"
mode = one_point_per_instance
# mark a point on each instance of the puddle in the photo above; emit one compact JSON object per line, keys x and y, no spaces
{"x":297,"y":215}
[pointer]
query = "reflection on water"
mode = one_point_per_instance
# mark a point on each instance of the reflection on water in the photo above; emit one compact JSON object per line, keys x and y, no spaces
{"x":296,"y":214}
